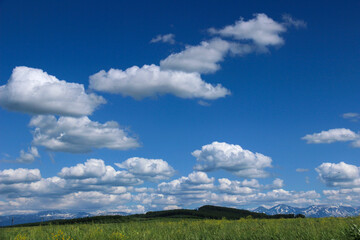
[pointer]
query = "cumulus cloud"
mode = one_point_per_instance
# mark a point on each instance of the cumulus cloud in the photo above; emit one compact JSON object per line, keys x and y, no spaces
{"x":29,"y":156}
{"x":151,"y":81}
{"x":92,"y":168}
{"x":348,"y":196}
{"x":148,"y":169}
{"x":94,"y":171}
{"x":332,"y":135}
{"x":20,"y":175}
{"x":94,"y":186}
{"x":247,"y":186}
{"x":204,"y":57}
{"x":77,"y":135}
{"x":232,"y":158}
{"x":179,"y":73}
{"x":93,"y":175}
{"x":274,"y":197}
{"x":194,"y":182}
{"x":262,"y":30}
{"x":166,"y":38}
{"x":33,"y":91}
{"x":339,"y":174}
{"x":238,"y":187}
{"x":277,"y":183}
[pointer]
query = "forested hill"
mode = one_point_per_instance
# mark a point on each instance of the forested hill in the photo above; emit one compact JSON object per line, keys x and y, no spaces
{"x":204,"y":212}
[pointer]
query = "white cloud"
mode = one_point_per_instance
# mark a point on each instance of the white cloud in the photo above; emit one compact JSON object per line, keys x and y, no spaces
{"x":203,"y":103}
{"x":77,"y":135}
{"x":171,"y":207}
{"x":179,"y":73}
{"x":20,"y":175}
{"x":339,"y":174}
{"x":28,"y":157}
{"x":274,"y":197}
{"x":166,"y":38}
{"x":351,"y":116}
{"x":290,"y":21}
{"x":277,"y":183}
{"x":97,"y":187}
{"x":332,"y":135}
{"x":33,"y":91}
{"x":53,"y":186}
{"x":153,"y":200}
{"x":89,"y":200}
{"x":356,"y":143}
{"x":232,"y":158}
{"x":95,"y":172}
{"x":348,"y":196}
{"x":92,"y":168}
{"x":194,"y":182}
{"x":148,"y":169}
{"x":93,"y":175}
{"x":202,"y":58}
{"x":247,"y":187}
{"x":151,"y":81}
{"x":262,"y":30}
{"x":237,"y":187}
{"x":301,"y":170}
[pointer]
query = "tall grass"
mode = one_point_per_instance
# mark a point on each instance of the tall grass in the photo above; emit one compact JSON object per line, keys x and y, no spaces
{"x":181,"y":229}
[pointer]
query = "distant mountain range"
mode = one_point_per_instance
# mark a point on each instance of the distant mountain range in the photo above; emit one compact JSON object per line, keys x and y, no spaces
{"x":315,"y":211}
{"x":47,"y":216}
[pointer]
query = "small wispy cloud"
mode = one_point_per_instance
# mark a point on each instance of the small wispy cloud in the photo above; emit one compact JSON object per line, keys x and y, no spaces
{"x":352,"y":116}
{"x":300,"y":170}
{"x":166,"y":38}
{"x":203,"y":103}
{"x":290,"y":21}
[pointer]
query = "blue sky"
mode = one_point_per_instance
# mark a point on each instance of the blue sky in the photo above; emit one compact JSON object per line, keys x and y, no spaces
{"x":137,"y":106}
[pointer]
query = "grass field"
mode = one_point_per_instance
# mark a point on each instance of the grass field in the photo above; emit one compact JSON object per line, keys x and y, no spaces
{"x":322,"y":228}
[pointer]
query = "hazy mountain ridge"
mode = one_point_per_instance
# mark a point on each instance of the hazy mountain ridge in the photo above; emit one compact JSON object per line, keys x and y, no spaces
{"x":314,"y":211}
{"x":43,"y":216}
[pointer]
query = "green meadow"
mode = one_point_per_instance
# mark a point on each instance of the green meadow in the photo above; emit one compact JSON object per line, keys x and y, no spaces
{"x":182,"y":228}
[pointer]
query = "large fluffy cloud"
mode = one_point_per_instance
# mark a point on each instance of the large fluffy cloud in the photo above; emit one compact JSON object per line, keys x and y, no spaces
{"x":34,"y":91}
{"x":92,"y":168}
{"x":332,"y":135}
{"x":262,"y":30}
{"x":339,"y":174}
{"x":232,"y":158}
{"x":238,"y":187}
{"x":194,"y":182}
{"x":77,"y":135}
{"x":203,"y":58}
{"x":150,"y":81}
{"x":179,"y":73}
{"x":20,"y":175}
{"x":94,"y":171}
{"x":148,"y":169}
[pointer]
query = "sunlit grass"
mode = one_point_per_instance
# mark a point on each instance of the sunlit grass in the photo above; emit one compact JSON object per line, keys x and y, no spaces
{"x":323,"y":228}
